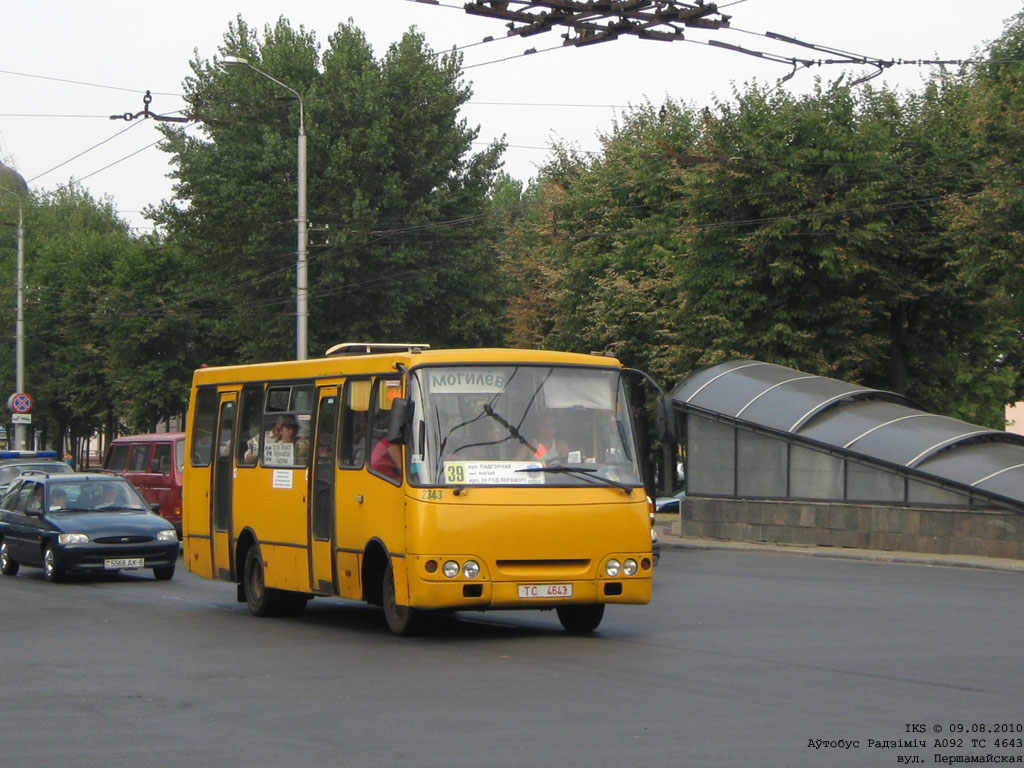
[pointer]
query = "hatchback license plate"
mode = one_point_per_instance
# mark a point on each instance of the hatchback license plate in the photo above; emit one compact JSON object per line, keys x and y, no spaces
{"x":117,"y":563}
{"x":530,"y":591}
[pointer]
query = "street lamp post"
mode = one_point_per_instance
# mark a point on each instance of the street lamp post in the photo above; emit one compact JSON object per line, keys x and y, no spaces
{"x":20,"y":432}
{"x":301,"y":272}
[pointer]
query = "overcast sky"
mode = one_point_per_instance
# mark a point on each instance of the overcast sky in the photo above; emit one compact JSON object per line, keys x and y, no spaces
{"x":67,"y":65}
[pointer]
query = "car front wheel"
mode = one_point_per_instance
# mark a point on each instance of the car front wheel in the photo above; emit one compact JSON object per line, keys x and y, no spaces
{"x":8,"y":567}
{"x":164,"y":574}
{"x":51,"y":571}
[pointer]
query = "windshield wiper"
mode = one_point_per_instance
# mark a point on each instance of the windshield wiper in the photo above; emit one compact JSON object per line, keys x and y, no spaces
{"x":587,"y":473}
{"x":511,"y":428}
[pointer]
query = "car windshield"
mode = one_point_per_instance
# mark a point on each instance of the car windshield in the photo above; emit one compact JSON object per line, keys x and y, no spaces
{"x":521,"y":425}
{"x":110,"y":495}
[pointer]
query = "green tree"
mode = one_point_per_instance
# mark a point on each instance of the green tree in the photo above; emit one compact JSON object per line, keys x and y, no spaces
{"x":108,"y":340}
{"x":987,"y":225}
{"x":808,"y":231}
{"x":154,"y":332}
{"x":398,"y":204}
{"x":592,"y":258}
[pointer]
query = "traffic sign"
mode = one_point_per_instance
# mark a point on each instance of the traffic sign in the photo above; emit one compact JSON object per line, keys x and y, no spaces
{"x":19,"y":402}
{"x":21,"y":418}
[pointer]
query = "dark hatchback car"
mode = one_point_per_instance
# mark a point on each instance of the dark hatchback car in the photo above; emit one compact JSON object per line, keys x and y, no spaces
{"x":82,"y":522}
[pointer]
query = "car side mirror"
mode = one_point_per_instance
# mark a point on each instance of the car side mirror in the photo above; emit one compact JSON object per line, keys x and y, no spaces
{"x":155,"y":507}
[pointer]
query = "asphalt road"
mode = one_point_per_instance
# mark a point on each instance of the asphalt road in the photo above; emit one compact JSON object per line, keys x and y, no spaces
{"x":742,"y":659}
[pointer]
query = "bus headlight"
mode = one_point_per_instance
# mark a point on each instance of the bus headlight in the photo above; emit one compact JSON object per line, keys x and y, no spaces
{"x":450,"y":569}
{"x":629,"y":567}
{"x":471,"y":569}
{"x":612,"y":568}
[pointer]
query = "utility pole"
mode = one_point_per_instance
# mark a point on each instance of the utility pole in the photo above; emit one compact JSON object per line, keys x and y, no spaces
{"x":20,"y":431}
{"x":302,"y":218}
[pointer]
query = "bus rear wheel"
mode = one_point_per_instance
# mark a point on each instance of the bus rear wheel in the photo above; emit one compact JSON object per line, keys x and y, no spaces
{"x":580,"y":619}
{"x":263,"y":600}
{"x":401,"y":619}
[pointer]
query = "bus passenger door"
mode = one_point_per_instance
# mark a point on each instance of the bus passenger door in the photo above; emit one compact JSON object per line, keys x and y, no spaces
{"x":321,"y":494}
{"x":220,"y":503}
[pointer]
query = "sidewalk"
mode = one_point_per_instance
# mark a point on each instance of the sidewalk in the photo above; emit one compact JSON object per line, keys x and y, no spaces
{"x":671,"y":541}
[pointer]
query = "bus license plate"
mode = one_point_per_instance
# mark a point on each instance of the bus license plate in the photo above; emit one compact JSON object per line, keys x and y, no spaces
{"x":530,"y":591}
{"x":113,"y":564}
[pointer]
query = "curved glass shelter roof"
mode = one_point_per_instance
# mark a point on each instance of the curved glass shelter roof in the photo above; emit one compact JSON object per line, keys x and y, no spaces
{"x":858,"y":421}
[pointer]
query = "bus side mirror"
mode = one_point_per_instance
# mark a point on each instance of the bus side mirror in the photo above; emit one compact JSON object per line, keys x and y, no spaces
{"x":664,"y":420}
{"x":398,"y":421}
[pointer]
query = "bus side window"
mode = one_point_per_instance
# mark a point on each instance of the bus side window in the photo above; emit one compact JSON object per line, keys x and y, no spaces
{"x":202,"y":427}
{"x":247,"y":449}
{"x":354,"y":412}
{"x":286,"y":423}
{"x":385,"y":458}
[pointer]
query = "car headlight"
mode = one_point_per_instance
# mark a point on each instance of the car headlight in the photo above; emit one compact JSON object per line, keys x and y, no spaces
{"x":612,"y":568}
{"x":629,"y":567}
{"x":73,"y":538}
{"x":167,"y":536}
{"x":450,"y":569}
{"x":471,"y":569}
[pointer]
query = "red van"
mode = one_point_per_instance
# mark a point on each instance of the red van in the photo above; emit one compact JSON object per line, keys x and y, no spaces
{"x":154,"y":464}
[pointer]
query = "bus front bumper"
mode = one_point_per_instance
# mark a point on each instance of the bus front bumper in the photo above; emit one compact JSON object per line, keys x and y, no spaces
{"x":480,"y":594}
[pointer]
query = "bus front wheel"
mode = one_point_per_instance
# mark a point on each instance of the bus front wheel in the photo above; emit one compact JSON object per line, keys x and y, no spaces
{"x":401,"y":619}
{"x":580,"y":619}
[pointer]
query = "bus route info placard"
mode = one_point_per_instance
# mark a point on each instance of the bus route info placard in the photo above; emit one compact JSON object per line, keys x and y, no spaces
{"x":493,"y":473}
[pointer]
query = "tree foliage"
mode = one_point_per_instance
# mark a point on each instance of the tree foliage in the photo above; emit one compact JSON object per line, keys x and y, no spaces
{"x":99,"y":346}
{"x":860,"y":233}
{"x":816,"y":231}
{"x":398,"y":203}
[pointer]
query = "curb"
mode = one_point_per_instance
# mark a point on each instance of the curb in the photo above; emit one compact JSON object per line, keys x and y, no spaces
{"x":669,"y":541}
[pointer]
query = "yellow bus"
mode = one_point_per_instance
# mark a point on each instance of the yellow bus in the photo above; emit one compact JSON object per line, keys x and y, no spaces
{"x":420,"y":481}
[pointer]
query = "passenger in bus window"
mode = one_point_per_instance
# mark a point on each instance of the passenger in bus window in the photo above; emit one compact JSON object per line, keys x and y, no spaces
{"x":282,"y":444}
{"x":273,"y":436}
{"x":353,"y":438}
{"x":386,"y":459}
{"x":298,"y":448}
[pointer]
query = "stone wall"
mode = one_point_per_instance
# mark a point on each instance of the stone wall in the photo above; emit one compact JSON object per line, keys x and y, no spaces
{"x":986,"y":533}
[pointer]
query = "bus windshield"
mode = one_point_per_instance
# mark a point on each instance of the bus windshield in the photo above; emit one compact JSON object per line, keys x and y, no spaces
{"x":521,"y":425}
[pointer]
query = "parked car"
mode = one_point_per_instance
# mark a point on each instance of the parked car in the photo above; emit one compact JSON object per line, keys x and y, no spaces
{"x":82,"y":522}
{"x":154,"y":464}
{"x":669,"y":504}
{"x":13,"y":463}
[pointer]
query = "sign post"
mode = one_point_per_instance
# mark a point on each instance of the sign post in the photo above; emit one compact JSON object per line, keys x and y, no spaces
{"x":20,"y":406}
